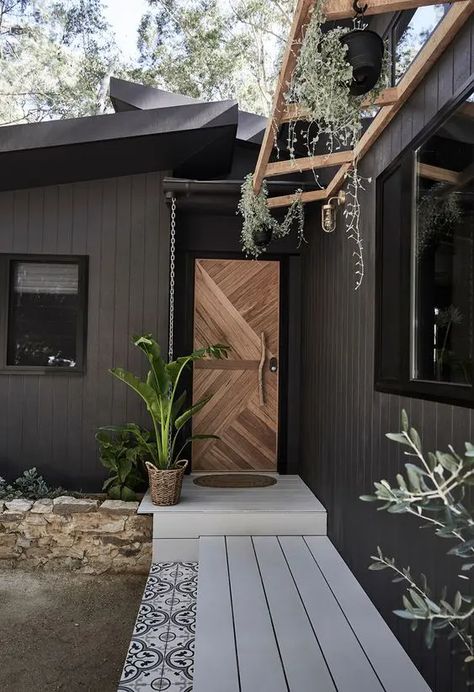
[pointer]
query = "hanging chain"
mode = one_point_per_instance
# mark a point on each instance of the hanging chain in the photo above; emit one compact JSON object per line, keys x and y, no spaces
{"x":172,"y":279}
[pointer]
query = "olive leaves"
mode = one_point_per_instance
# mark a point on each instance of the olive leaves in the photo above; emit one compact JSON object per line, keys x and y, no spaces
{"x":432,"y":488}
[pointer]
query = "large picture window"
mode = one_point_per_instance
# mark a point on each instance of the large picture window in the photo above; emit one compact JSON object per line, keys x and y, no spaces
{"x":443,"y":258}
{"x":425,"y":332}
{"x":45,"y":313}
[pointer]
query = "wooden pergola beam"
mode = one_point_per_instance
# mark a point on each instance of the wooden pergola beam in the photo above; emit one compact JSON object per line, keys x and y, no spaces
{"x":429,"y":54}
{"x":443,"y":175}
{"x":391,"y":100}
{"x":342,"y":9}
{"x":307,"y":163}
{"x":465,"y":176}
{"x":288,"y":65}
{"x":286,"y":200}
{"x":293,"y":111}
{"x":454,"y":20}
{"x":440,"y":175}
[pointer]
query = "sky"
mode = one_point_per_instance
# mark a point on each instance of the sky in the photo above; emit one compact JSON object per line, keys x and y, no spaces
{"x":124,"y":16}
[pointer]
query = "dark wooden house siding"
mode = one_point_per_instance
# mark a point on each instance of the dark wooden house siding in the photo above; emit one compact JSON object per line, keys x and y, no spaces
{"x":121,"y":225}
{"x":343,"y":419}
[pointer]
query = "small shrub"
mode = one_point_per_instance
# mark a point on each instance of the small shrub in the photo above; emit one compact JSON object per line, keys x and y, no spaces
{"x":30,"y":485}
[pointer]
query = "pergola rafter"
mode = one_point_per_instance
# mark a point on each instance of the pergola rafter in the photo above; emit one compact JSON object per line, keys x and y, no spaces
{"x":343,"y":9}
{"x":293,"y":111}
{"x":390,"y":101}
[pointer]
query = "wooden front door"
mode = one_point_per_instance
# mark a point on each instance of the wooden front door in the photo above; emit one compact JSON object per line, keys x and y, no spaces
{"x":236,"y":302}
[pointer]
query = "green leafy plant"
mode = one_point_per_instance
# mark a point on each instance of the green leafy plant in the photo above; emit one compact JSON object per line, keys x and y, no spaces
{"x":30,"y":485}
{"x":432,"y":489}
{"x":165,"y":405}
{"x":257,"y":216}
{"x":122,"y":450}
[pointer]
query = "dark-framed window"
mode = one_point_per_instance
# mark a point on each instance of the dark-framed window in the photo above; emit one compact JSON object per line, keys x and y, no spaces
{"x":407,"y":33}
{"x":425,"y":262}
{"x":44,"y":301}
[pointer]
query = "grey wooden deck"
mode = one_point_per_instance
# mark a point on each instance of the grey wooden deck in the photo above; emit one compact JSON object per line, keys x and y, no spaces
{"x":287,"y":507}
{"x":285,"y":614}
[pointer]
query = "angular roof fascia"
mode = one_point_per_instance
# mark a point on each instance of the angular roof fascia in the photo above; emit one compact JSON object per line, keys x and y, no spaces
{"x":127,"y":95}
{"x":101,"y":128}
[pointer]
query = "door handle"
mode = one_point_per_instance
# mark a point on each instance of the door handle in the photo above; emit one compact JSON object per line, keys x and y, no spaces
{"x":261,"y":365}
{"x":273,"y":365}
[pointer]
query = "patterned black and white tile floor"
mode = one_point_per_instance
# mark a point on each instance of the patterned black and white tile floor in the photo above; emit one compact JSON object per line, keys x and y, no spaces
{"x":161,"y":652}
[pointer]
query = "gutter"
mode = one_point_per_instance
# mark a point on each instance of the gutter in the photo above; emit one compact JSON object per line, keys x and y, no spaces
{"x":186,"y":187}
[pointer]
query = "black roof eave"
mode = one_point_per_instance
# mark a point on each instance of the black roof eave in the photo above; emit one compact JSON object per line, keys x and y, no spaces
{"x":126,"y":96}
{"x":134,"y":123}
{"x":197,"y":153}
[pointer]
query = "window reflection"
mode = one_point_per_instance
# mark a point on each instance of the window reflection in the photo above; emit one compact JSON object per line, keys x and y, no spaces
{"x":410,"y":33}
{"x":443,"y":252}
{"x":44,"y":311}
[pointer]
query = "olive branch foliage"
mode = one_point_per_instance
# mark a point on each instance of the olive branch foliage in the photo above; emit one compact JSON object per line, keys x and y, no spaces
{"x":433,"y":488}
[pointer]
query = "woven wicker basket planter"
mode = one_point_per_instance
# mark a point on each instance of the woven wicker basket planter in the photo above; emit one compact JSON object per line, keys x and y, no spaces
{"x":165,"y":484}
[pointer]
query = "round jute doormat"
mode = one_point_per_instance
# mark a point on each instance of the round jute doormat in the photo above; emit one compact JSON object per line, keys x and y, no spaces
{"x":234,"y":480}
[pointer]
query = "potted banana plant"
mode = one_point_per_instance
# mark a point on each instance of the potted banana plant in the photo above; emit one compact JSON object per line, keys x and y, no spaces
{"x":166,"y":407}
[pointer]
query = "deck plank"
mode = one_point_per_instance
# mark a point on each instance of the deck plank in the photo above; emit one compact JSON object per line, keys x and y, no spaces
{"x":289,"y":495}
{"x":215,"y":663}
{"x":303,"y":661}
{"x":259,"y":660}
{"x":353,"y":670}
{"x":390,"y":661}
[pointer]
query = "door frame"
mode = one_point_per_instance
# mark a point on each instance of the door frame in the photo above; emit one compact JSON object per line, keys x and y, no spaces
{"x":289,"y":337}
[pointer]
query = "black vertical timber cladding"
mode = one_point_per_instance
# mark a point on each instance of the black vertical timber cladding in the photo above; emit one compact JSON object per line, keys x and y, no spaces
{"x":122,"y":226}
{"x":344,"y":420}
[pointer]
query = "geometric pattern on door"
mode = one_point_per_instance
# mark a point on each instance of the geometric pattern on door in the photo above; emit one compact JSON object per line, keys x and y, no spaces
{"x":235,"y":302}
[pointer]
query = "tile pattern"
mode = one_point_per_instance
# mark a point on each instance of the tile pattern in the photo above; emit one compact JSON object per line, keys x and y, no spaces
{"x":161,"y":653}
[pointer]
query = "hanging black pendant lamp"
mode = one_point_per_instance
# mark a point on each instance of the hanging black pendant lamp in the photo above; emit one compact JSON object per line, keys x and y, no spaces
{"x":365,"y":50}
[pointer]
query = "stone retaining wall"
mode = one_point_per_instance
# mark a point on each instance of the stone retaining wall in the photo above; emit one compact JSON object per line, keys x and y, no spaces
{"x":75,"y":534}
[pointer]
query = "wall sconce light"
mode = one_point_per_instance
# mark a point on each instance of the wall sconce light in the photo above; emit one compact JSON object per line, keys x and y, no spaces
{"x":328,"y":212}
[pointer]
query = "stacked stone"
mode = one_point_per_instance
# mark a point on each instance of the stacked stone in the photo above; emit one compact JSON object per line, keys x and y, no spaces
{"x":71,"y":533}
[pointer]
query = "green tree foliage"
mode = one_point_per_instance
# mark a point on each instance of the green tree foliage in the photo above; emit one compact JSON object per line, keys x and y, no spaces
{"x":212,"y":49}
{"x":56,"y":57}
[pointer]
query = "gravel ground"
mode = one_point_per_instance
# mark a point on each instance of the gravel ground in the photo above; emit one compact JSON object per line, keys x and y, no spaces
{"x":65,"y":631}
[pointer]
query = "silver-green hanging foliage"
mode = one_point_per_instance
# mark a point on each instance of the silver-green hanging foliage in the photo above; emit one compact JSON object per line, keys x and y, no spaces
{"x":258,"y":219}
{"x":433,"y":489}
{"x":321,"y":85}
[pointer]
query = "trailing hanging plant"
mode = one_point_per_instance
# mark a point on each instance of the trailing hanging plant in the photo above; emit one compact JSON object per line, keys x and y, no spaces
{"x":328,"y":88}
{"x":351,"y":213}
{"x":321,"y":85}
{"x":259,"y":225}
